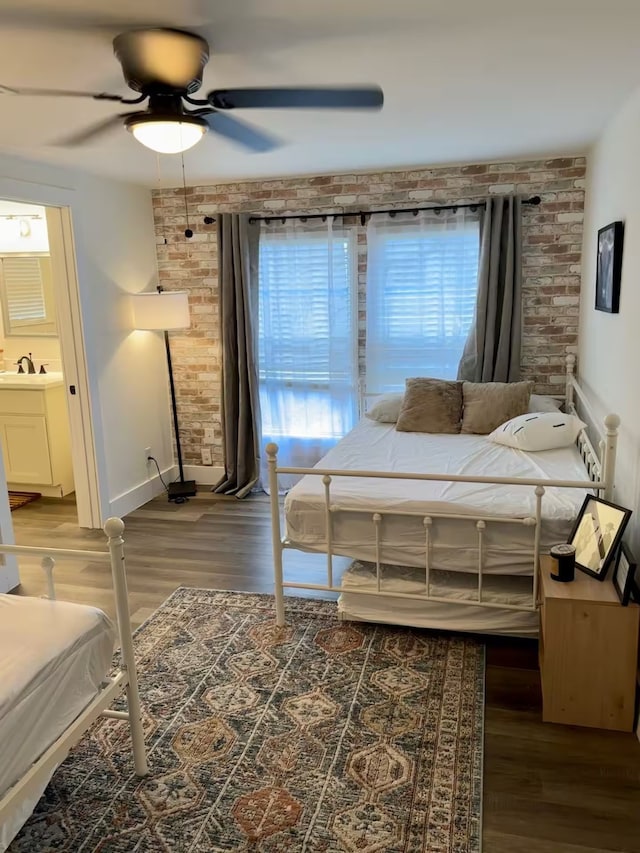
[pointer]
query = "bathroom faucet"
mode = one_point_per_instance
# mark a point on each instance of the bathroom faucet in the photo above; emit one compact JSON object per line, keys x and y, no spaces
{"x":30,"y":366}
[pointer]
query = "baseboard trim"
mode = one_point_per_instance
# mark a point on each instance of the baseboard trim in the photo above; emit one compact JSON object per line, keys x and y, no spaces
{"x":57,"y":491}
{"x":9,"y":576}
{"x":204,"y":475}
{"x":142,"y":493}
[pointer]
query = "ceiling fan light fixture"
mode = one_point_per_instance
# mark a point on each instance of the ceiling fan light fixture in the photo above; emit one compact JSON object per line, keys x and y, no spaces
{"x":167,"y":134}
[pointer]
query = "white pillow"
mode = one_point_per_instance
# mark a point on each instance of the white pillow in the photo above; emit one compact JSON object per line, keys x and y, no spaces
{"x":540,"y":403}
{"x":538,"y":431}
{"x":386,"y":408}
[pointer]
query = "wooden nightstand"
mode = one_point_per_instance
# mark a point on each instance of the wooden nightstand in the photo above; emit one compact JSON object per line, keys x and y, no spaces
{"x":588,"y":652}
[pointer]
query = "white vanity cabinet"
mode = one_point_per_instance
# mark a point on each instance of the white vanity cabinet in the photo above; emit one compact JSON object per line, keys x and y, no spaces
{"x":34,"y":433}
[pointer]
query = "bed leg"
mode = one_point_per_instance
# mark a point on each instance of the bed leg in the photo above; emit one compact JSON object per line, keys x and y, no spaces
{"x":276,"y":535}
{"x":114,"y":528}
{"x":279,"y":592}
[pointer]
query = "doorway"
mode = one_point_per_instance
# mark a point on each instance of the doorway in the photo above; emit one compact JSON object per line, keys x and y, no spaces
{"x":45,"y":436}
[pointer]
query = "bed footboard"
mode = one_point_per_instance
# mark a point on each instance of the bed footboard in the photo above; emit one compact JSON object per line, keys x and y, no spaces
{"x":125,"y":679}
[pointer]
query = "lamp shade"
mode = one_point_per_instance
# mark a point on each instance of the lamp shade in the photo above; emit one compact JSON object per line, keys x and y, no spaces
{"x":161,"y":311}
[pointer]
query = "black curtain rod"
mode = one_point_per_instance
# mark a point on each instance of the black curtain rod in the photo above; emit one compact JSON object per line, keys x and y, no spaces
{"x":472,"y":205}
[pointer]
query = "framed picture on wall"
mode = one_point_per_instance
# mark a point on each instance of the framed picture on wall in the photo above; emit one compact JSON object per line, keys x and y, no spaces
{"x":609,"y":267}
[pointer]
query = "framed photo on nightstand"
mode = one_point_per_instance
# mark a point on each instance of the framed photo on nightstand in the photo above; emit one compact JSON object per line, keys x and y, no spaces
{"x":624,"y":574}
{"x":596,"y":535}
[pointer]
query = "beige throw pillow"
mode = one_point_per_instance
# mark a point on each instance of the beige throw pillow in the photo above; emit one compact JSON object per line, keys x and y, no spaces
{"x":486,"y":405}
{"x":431,"y":405}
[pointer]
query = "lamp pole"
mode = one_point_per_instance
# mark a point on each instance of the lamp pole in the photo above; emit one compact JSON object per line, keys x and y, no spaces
{"x":181,"y":489}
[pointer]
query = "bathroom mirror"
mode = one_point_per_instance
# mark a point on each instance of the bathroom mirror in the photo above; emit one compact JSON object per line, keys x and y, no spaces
{"x":26,"y":291}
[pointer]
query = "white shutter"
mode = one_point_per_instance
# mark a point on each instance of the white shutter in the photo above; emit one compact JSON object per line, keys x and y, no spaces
{"x":23,"y":284}
{"x":421,"y":293}
{"x":307,"y":339}
{"x":306,"y":327}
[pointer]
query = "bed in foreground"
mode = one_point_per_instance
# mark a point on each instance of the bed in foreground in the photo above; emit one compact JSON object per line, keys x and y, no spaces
{"x":447,"y":529}
{"x":55,"y":659}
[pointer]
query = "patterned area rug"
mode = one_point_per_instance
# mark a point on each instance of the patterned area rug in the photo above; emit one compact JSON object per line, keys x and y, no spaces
{"x":18,"y":499}
{"x":323,"y":737}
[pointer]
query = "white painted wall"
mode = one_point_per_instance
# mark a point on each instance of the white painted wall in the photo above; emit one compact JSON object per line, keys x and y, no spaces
{"x":115,"y":252}
{"x":609,"y":351}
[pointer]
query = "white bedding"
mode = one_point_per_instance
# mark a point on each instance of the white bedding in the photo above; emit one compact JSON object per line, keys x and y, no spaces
{"x":53,"y":658}
{"x":379,"y":447}
{"x":450,"y":615}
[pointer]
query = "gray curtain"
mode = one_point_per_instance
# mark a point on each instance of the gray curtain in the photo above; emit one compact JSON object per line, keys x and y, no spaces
{"x":238,"y":312}
{"x":492,"y":350}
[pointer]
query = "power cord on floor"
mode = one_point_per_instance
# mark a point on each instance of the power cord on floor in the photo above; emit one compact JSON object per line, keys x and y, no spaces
{"x":155,"y":461}
{"x":179,"y":499}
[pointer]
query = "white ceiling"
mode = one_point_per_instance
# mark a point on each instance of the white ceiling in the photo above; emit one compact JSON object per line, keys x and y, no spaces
{"x":463,"y":80}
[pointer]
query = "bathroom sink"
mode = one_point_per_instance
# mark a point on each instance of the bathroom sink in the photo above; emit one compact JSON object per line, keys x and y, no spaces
{"x":30,"y":380}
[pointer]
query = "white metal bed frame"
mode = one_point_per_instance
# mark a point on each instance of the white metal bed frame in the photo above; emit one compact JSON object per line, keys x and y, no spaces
{"x":124,"y":681}
{"x":600,"y":467}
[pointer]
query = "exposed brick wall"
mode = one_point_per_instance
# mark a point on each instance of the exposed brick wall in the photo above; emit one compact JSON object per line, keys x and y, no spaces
{"x":552,"y":236}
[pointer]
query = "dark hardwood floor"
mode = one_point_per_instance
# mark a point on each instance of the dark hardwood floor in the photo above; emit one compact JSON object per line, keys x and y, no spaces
{"x":547,"y":788}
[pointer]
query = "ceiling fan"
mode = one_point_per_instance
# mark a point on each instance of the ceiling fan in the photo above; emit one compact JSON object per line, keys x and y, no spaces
{"x":165,"y":66}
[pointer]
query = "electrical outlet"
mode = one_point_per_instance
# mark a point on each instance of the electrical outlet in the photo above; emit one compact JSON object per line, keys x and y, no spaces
{"x":209,"y":436}
{"x":147,"y":454}
{"x":206,"y":456}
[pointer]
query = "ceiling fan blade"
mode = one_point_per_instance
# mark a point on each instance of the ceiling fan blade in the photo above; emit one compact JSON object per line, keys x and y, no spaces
{"x":62,"y":93}
{"x":90,"y":133}
{"x":304,"y":97}
{"x":239,"y":131}
{"x":43,"y":18}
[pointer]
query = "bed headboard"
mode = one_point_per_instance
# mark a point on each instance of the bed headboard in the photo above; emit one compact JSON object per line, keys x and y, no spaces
{"x":599,"y":460}
{"x":599,"y":456}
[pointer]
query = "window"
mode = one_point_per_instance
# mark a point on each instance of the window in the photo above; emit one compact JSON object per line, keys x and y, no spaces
{"x":421,"y":293}
{"x":26,"y":287}
{"x":307,"y":356}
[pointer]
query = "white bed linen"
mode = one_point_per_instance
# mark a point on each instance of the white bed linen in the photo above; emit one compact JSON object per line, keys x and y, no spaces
{"x":449,"y":616}
{"x":379,"y":447}
{"x":53,"y":658}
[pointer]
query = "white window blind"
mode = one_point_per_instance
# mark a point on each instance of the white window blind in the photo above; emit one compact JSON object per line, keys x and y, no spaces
{"x":24,"y":289}
{"x":421,"y":292}
{"x":307,"y":348}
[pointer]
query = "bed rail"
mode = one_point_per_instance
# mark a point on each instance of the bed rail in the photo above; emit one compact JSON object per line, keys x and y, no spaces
{"x":125,"y":680}
{"x":600,"y":469}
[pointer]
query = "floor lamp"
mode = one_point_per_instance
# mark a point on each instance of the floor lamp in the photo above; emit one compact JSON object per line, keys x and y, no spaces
{"x":166,"y":311}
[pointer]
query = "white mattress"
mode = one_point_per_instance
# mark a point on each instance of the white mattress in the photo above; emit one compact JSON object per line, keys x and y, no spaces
{"x":53,"y":658}
{"x":450,"y":616}
{"x":379,"y":447}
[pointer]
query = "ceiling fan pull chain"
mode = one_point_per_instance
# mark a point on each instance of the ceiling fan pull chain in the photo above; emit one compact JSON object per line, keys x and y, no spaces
{"x":188,"y":233}
{"x":159,"y":179}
